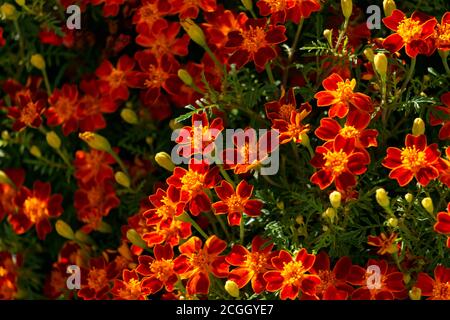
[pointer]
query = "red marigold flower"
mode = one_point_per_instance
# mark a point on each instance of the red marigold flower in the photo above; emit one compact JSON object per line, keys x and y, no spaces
{"x":390,"y":286}
{"x":8,"y":193}
{"x":445,"y":174}
{"x":151,"y":15}
{"x":441,"y":35}
{"x":441,"y":115}
{"x":155,"y":74}
{"x":355,"y":127}
{"x":235,"y":203}
{"x":196,"y":263}
{"x":130,"y":288}
{"x":93,"y":166}
{"x":290,"y":275}
{"x":386,"y":244}
{"x":437,"y":288}
{"x":255,"y":42}
{"x":190,"y":9}
{"x":49,"y":36}
{"x":96,"y":281}
{"x":333,"y":285}
{"x":443,"y":223}
{"x":110,"y":8}
{"x":92,"y":106}
{"x":282,"y":10}
{"x":9,"y":265}
{"x":283,"y":108}
{"x":113,"y":81}
{"x":165,"y":42}
{"x":251,"y":265}
{"x":63,"y":109}
{"x":293,"y":129}
{"x":339,"y":161}
{"x":199,"y":138}
{"x":410,"y":33}
{"x":27,"y":112}
{"x":340,"y":96}
{"x":168,"y":231}
{"x":159,"y":271}
{"x":35,"y":208}
{"x":193,"y":183}
{"x":416,"y":160}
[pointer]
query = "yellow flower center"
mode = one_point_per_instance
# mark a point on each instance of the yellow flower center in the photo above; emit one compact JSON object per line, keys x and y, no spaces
{"x":28,"y":113}
{"x":235,"y":204}
{"x":3,"y":272}
{"x":293,"y":272}
{"x":192,"y":182}
{"x":441,"y":291}
{"x":200,"y":261}
{"x":336,"y":161}
{"x":276,"y":5}
{"x":97,"y":279}
{"x":257,"y":262}
{"x":286,"y":110}
{"x":95,"y":196}
{"x":349,"y":132}
{"x":132,"y":291}
{"x":116,"y":78}
{"x":165,"y":212}
{"x":409,"y":29}
{"x":35,"y":209}
{"x":162,"y":269}
{"x":64,"y":108}
{"x":149,"y":13}
{"x":443,"y":35}
{"x":327,"y":279}
{"x":253,"y":39}
{"x":156,"y":77}
{"x":412,"y":158}
{"x":345,"y":89}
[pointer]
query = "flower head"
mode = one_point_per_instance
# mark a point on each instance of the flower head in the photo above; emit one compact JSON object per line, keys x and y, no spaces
{"x":437,"y":288}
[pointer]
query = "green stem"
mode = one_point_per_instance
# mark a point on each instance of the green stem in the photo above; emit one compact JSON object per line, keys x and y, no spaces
{"x":445,"y":63}
{"x":242,"y":230}
{"x":187,"y":218}
{"x":213,"y":57}
{"x":223,"y":226}
{"x":47,"y":83}
{"x":226,"y":175}
{"x":410,"y":74}
{"x":270,"y":74}
{"x":292,"y":52}
{"x":119,"y":161}
{"x":341,"y":35}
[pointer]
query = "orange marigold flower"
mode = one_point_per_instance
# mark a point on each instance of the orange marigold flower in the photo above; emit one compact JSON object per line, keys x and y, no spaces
{"x":437,"y":288}
{"x":63,"y":109}
{"x":283,"y":108}
{"x":339,"y":161}
{"x":257,"y":41}
{"x":410,"y":33}
{"x":235,"y":203}
{"x":168,"y":231}
{"x":251,"y":265}
{"x":8,"y":193}
{"x":191,"y":8}
{"x":9,"y":265}
{"x":27,"y":112}
{"x":415,"y":160}
{"x":93,"y":166}
{"x":293,"y":129}
{"x":159,"y":271}
{"x":36,"y":207}
{"x":441,"y":35}
{"x":291,"y":275}
{"x":290,"y":10}
{"x":150,"y":15}
{"x":386,"y":244}
{"x":340,"y":96}
{"x":96,"y":280}
{"x":390,"y":286}
{"x":441,"y":115}
{"x":443,"y":224}
{"x":196,"y":263}
{"x":130,"y":288}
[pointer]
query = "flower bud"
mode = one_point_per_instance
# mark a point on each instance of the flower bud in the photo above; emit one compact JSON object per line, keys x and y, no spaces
{"x":95,"y":141}
{"x":232,"y":288}
{"x":299,"y":220}
{"x":330,"y":213}
{"x":409,"y":197}
{"x":8,"y":11}
{"x":392,"y":222}
{"x":64,"y":230}
{"x":248,"y":4}
{"x":135,"y":238}
{"x":35,"y":151}
{"x":347,"y":7}
{"x":368,"y":52}
{"x":104,"y":227}
{"x":20,"y":2}
{"x":37,"y":61}
{"x":388,"y":7}
{"x":5,"y":179}
{"x":415,"y":293}
{"x":194,"y":32}
{"x":418,"y":127}
{"x":122,"y":179}
{"x":5,"y":135}
{"x":175,"y":125}
{"x":427,"y":204}
{"x":83,"y":237}
{"x":328,"y":34}
{"x":406,"y":278}
{"x":382,"y":198}
{"x":129,"y":116}
{"x":305,"y":140}
{"x":53,"y":140}
{"x":380,"y":63}
{"x":163,"y":160}
{"x":185,"y":77}
{"x":335,"y":199}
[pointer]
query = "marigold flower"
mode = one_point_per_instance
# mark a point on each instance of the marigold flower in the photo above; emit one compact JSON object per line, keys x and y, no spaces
{"x":445,"y":174}
{"x":168,"y":231}
{"x":441,"y":35}
{"x":437,"y":288}
{"x":410,"y":33}
{"x":255,"y":42}
{"x":36,"y":207}
{"x":9,"y":275}
{"x":290,"y":275}
{"x":235,"y":203}
{"x":441,"y":115}
{"x":150,"y":14}
{"x":159,"y":271}
{"x":340,"y":96}
{"x":293,"y":129}
{"x":93,"y":166}
{"x":167,"y":206}
{"x":110,"y":7}
{"x":96,"y":280}
{"x":130,"y":288}
{"x":278,"y":10}
{"x":338,"y":161}
{"x":251,"y":265}
{"x":283,"y":108}
{"x":196,"y":263}
{"x":8,"y":192}
{"x":415,"y":160}
{"x":443,"y":224}
{"x":386,"y":244}
{"x":63,"y":105}
{"x":27,"y":112}
{"x":190,"y":9}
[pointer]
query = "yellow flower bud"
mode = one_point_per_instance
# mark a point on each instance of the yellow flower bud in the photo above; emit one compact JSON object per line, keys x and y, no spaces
{"x":335,"y":199}
{"x":53,"y":140}
{"x":280,"y":205}
{"x":248,"y":4}
{"x":388,"y":7}
{"x":149,"y":140}
{"x":382,"y":198}
{"x":305,"y":140}
{"x":427,"y":204}
{"x":194,"y":32}
{"x":135,"y":238}
{"x":380,"y":63}
{"x":185,"y":77}
{"x":122,"y":179}
{"x":418,"y":127}
{"x":95,"y":141}
{"x":20,"y":2}
{"x":409,"y":197}
{"x":232,"y":288}
{"x":392,"y":222}
{"x":37,"y":61}
{"x":368,"y":52}
{"x":5,"y":179}
{"x":64,"y":230}
{"x":83,"y":237}
{"x":5,"y":135}
{"x":347,"y":7}
{"x":8,"y":11}
{"x":327,"y":33}
{"x":129,"y":116}
{"x":104,"y":227}
{"x":406,"y":278}
{"x":125,"y":252}
{"x":330,"y":213}
{"x":35,"y":151}
{"x":163,"y":160}
{"x":299,"y":220}
{"x":175,"y":125}
{"x":415,"y":293}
